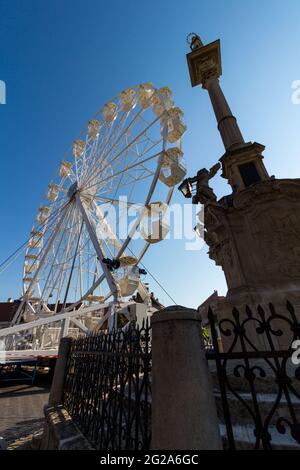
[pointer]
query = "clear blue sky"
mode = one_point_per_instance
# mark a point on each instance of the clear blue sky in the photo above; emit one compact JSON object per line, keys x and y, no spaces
{"x":63,"y":59}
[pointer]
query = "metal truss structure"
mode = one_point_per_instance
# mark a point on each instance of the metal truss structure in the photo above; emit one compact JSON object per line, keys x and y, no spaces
{"x":79,"y":272}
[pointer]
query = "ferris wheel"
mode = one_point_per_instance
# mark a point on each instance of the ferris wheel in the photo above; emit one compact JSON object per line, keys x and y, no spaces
{"x":83,"y":252}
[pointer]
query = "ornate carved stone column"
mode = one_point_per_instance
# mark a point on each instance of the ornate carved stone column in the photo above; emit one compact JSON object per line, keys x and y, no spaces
{"x":242,"y":162}
{"x":254,"y":232}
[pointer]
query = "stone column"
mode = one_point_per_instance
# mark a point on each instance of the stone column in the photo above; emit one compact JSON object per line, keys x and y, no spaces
{"x":57,"y":387}
{"x":183,"y":406}
{"x":227,"y":123}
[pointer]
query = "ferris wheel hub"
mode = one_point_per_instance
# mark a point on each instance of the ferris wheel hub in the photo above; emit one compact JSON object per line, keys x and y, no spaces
{"x":72,"y":190}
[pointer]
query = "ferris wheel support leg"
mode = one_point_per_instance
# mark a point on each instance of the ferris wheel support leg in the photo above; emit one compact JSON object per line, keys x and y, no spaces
{"x":65,"y":327}
{"x":80,"y":325}
{"x":112,"y":236}
{"x":84,"y":297}
{"x":112,"y":319}
{"x":18,"y":313}
{"x":17,"y":317}
{"x":31,"y":308}
{"x":110,"y":280}
{"x":44,"y":257}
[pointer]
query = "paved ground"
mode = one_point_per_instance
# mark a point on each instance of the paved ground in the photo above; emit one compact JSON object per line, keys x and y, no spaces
{"x":21,"y":411}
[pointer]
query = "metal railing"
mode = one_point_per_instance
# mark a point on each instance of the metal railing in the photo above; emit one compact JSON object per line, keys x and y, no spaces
{"x":257,"y":387}
{"x":108,"y":388}
{"x":258,"y":383}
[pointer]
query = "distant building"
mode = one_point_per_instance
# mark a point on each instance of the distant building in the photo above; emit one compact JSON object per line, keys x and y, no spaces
{"x":7,"y":311}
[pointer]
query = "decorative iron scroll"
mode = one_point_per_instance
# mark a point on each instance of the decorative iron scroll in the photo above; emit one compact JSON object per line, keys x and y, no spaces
{"x":259,"y":385}
{"x":108,"y":388}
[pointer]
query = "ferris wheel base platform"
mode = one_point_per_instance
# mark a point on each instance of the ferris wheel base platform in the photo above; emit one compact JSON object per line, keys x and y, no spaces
{"x":27,"y":355}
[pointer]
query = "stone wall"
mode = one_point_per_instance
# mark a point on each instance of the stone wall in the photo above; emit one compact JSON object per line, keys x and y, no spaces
{"x":60,"y":432}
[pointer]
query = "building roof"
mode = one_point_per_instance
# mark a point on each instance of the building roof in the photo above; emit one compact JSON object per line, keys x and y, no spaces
{"x":7,"y":311}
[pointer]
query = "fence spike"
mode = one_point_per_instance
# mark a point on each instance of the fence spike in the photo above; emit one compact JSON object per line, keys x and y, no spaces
{"x":249,"y":311}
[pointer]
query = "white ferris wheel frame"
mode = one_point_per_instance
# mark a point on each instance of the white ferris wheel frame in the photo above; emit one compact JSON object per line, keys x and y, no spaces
{"x":78,"y":308}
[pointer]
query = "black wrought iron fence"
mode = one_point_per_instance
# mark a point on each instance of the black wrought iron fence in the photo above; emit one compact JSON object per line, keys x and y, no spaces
{"x":257,"y":378}
{"x":108,"y":388}
{"x":256,"y":381}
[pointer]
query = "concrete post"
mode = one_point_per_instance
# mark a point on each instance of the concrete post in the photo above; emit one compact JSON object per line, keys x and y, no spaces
{"x":184,"y":413}
{"x":57,"y":387}
{"x":227,"y":123}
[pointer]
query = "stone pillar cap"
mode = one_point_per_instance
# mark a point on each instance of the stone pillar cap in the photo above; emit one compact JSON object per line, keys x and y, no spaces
{"x":175,"y":312}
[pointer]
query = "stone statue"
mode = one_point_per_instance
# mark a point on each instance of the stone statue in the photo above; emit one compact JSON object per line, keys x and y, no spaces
{"x":196,"y":42}
{"x":204,"y":193}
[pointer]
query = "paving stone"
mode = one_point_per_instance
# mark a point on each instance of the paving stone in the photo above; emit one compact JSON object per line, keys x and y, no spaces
{"x":22,"y":413}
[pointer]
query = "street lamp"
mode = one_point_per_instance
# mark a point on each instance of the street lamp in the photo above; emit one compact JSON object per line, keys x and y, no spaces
{"x":186,"y":188}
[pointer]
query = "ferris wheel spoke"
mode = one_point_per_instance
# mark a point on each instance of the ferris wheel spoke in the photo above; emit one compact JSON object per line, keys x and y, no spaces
{"x":143,"y":251}
{"x":107,"y":140}
{"x":70,"y":258}
{"x":97,"y":247}
{"x":147,"y":244}
{"x":50,"y":220}
{"x":126,"y":169}
{"x":40,"y":234}
{"x":119,"y":167}
{"x":62,"y":268}
{"x":43,"y":293}
{"x":139,"y":218}
{"x":106,"y":227}
{"x":135,"y":164}
{"x":72,"y":267}
{"x":44,"y":257}
{"x":134,"y":178}
{"x":101,"y":196}
{"x":59,"y":267}
{"x":90,"y":291}
{"x":124,"y":150}
{"x":138,"y":156}
{"x":112,"y":200}
{"x":119,"y":137}
{"x":80,"y":272}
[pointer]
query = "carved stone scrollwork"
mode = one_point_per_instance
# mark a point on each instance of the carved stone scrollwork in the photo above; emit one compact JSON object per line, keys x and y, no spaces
{"x":215,"y":232}
{"x":267,"y":190}
{"x":278,"y":238}
{"x":211,"y":217}
{"x":256,"y":238}
{"x":211,"y":238}
{"x":228,"y":254}
{"x":253,"y":356}
{"x":207,"y":69}
{"x":215,"y":253}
